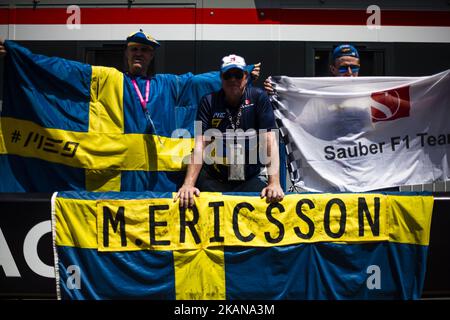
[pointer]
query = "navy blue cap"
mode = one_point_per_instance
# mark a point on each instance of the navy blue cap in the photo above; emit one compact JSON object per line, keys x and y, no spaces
{"x":345,"y":50}
{"x":142,"y":38}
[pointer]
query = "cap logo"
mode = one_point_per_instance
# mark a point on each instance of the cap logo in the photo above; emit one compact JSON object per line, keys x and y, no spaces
{"x":232,"y":61}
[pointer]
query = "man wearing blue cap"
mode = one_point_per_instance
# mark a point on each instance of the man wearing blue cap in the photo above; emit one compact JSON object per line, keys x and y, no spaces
{"x":111,"y":101}
{"x":140,"y":52}
{"x":232,"y":120}
{"x":345,"y":61}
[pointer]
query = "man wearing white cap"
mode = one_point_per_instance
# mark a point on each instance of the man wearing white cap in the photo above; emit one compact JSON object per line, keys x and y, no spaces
{"x":234,"y":116}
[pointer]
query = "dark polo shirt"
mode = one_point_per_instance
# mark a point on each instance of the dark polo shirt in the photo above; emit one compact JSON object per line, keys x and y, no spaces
{"x":257,"y":114}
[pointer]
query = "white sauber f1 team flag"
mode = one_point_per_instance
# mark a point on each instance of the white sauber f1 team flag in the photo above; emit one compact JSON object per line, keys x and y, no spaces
{"x":365,"y":133}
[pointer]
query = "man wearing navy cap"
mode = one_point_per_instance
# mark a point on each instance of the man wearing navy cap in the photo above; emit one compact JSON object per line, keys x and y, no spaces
{"x":234,"y":121}
{"x":345,"y":61}
{"x":140,"y":52}
{"x":159,"y":105}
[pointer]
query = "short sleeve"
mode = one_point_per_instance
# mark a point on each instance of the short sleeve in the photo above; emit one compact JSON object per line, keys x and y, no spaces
{"x":264,"y":111}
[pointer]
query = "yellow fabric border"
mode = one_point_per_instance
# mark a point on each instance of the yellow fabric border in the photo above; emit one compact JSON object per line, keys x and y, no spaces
{"x":411,"y":222}
{"x":402,"y":219}
{"x":140,"y":152}
{"x":76,"y":223}
{"x":200,"y":274}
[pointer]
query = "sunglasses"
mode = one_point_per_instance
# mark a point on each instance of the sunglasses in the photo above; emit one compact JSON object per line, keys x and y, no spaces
{"x":237,"y":75}
{"x":353,"y":67}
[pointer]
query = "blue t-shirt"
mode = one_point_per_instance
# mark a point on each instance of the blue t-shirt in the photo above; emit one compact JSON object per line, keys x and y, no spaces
{"x":256,"y":113}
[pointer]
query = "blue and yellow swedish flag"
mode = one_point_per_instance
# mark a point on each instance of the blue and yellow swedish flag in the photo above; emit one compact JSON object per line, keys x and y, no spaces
{"x":72,"y":126}
{"x":231,"y":246}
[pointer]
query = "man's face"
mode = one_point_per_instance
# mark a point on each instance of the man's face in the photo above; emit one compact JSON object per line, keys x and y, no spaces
{"x":139,"y":57}
{"x":345,"y":66}
{"x":234,"y":82}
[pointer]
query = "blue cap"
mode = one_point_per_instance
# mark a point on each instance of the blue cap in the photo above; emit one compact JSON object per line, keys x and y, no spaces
{"x":345,"y":50}
{"x":142,"y":38}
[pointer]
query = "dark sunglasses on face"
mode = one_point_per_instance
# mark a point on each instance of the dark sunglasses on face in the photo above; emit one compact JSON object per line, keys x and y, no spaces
{"x":237,"y":75}
{"x":353,"y":67}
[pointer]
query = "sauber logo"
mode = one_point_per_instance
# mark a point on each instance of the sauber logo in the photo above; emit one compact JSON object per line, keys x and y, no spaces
{"x":390,"y":105}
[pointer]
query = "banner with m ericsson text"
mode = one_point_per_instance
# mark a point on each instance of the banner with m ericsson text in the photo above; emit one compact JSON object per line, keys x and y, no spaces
{"x":365,"y":133}
{"x":309,"y":246}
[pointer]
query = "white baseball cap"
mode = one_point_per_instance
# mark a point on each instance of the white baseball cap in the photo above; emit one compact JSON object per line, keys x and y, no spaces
{"x":232,"y":62}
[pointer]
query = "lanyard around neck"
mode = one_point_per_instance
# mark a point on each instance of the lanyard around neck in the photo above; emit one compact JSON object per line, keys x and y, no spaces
{"x":144,"y":103}
{"x":138,"y":92}
{"x":235,"y":125}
